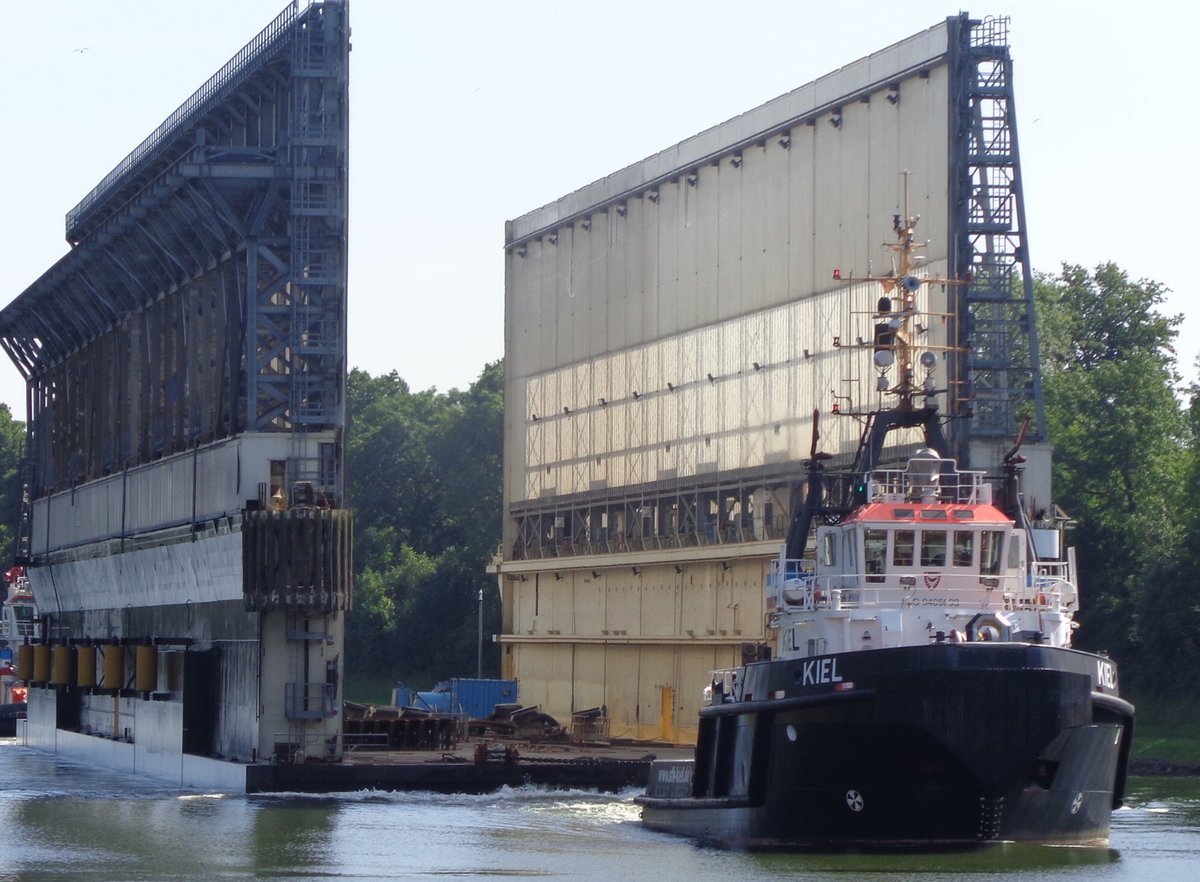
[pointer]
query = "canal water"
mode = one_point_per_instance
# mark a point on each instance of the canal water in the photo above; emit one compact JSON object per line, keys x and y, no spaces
{"x":62,"y":821}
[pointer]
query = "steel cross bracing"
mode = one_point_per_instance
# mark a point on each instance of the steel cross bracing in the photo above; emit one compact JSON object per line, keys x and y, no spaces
{"x":205,"y":293}
{"x":317,"y":288}
{"x":735,"y":509}
{"x":998,"y":379}
{"x":296,"y":341}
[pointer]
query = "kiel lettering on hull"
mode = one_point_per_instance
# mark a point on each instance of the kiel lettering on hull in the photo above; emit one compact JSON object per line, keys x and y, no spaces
{"x":818,"y":671}
{"x":1106,"y":674}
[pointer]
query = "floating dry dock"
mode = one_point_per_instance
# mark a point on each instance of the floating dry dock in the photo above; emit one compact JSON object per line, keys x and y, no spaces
{"x":476,"y":766}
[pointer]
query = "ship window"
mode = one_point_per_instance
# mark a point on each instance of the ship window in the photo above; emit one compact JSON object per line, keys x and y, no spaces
{"x":964,"y":548}
{"x":963,"y":514}
{"x":933,"y":548}
{"x":875,"y":544}
{"x":990,"y":545}
{"x":933,"y":514}
{"x":904,"y":513}
{"x":902,"y":548}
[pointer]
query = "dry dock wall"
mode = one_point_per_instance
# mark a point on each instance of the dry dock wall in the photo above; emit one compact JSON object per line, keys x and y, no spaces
{"x":669,"y":331}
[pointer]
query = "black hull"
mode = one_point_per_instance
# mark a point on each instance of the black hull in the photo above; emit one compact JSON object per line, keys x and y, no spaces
{"x":939,"y":745}
{"x":9,"y":714}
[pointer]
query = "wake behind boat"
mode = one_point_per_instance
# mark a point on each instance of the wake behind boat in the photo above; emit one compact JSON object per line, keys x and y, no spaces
{"x":922,"y":688}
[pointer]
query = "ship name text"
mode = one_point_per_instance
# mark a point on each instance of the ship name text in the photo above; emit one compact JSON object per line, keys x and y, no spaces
{"x":818,"y":671}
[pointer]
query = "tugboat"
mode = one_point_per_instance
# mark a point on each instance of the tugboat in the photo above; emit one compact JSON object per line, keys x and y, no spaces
{"x":922,"y":689}
{"x":18,"y":624}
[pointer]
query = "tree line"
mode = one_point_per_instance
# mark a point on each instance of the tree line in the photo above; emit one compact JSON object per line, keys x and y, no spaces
{"x":1126,"y":438}
{"x":424,"y":478}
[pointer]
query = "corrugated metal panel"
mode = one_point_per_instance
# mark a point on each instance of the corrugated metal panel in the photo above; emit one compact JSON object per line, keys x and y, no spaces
{"x":589,"y":610}
{"x":162,"y":494}
{"x":558,"y":689}
{"x":898,"y":61}
{"x":660,"y":606}
{"x":700,"y":401}
{"x":696,"y":618}
{"x":588,"y":664}
{"x":657,"y":670}
{"x":204,"y":571}
{"x":622,"y":667}
{"x":722,"y":262}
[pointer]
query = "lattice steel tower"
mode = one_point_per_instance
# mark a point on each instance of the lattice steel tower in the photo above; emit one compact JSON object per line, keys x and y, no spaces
{"x":998,"y":377}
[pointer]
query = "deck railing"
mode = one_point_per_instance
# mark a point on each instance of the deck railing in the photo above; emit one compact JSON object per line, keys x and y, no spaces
{"x":1047,"y":590}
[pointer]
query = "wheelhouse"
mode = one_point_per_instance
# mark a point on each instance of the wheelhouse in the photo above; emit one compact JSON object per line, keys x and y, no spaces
{"x":925,"y":555}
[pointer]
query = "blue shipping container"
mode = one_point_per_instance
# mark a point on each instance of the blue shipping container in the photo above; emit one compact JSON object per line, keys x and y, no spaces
{"x":478,"y":698}
{"x":436,"y":702}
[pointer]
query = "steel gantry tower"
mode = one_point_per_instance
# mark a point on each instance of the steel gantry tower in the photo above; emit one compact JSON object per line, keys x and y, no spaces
{"x":999,"y":379}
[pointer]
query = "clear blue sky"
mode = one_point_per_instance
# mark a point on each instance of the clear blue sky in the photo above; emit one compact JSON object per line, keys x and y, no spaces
{"x":465,"y":114}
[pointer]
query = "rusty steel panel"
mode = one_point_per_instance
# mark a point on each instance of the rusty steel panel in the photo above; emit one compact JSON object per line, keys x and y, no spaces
{"x":298,"y":559}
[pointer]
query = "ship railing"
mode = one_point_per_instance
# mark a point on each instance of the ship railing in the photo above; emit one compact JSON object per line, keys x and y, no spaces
{"x":914,"y":485}
{"x":1050,"y":586}
{"x":725,"y":684}
{"x":788,"y":575}
{"x":364,"y":741}
{"x":19,"y":629}
{"x":804,"y":591}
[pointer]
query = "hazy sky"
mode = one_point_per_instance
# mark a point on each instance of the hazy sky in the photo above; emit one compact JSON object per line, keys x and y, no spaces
{"x":465,"y":114}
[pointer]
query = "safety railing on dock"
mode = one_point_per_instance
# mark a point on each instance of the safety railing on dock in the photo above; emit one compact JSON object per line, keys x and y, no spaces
{"x":589,"y":727}
{"x":309,"y":701}
{"x":298,"y":748}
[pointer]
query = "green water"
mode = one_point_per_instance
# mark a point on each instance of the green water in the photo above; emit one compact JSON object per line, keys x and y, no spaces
{"x":66,"y":822}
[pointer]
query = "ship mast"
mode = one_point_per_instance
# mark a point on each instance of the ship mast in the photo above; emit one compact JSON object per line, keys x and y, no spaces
{"x":914,"y":403}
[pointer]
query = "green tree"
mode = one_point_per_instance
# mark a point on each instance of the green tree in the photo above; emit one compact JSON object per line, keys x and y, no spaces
{"x":424,"y":474}
{"x":1122,"y":451}
{"x":12,"y":477}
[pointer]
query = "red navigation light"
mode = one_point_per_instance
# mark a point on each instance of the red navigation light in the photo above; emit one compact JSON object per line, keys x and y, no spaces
{"x":837,"y":273}
{"x":837,"y":408}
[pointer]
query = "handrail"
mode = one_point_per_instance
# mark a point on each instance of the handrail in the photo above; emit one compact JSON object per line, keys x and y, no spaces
{"x":955,"y":486}
{"x":201,"y":101}
{"x":798,"y":589}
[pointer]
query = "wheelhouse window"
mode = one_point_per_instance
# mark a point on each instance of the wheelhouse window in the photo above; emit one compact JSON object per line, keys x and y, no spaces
{"x":991,"y":546}
{"x":1014,"y":554}
{"x":903,"y":546}
{"x":829,"y":550}
{"x":875,"y":544}
{"x":964,"y":548}
{"x":933,"y":548}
